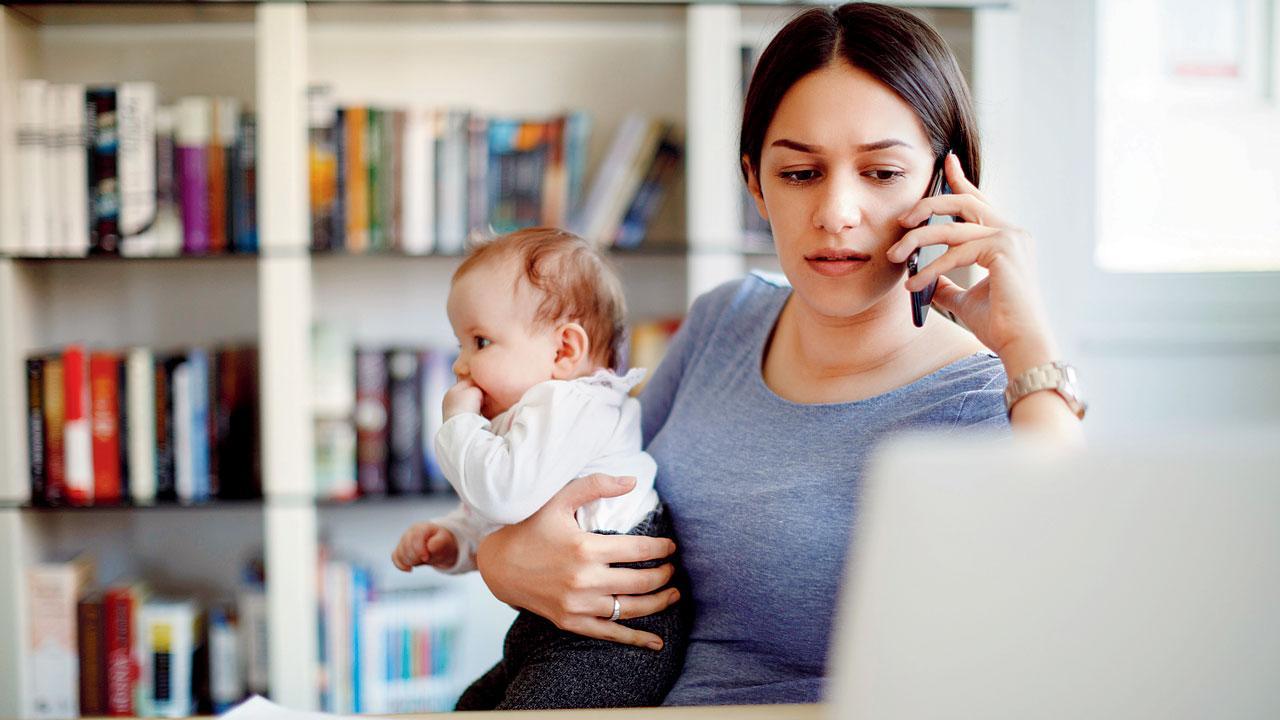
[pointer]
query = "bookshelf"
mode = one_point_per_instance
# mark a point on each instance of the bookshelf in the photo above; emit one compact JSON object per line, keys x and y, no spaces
{"x":679,"y":60}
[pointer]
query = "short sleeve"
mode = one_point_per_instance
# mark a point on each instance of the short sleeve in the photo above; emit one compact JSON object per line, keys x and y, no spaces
{"x":983,"y":409}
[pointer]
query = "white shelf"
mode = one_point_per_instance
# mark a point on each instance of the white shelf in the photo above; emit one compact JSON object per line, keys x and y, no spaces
{"x":674,"y":60}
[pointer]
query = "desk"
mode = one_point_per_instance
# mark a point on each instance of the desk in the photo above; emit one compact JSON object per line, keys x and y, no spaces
{"x":707,"y":712}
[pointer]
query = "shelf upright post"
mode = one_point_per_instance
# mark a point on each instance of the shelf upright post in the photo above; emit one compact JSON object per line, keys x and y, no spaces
{"x":713,"y":181}
{"x":284,"y":309}
{"x":18,"y":54}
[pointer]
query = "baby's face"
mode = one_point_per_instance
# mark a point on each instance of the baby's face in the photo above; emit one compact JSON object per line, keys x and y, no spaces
{"x":491,"y":309}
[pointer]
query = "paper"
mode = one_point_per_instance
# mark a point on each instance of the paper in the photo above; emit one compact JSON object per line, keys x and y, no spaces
{"x":260,"y":708}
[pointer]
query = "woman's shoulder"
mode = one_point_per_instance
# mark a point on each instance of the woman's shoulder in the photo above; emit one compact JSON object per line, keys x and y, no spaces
{"x":978,"y":381}
{"x":741,"y":301}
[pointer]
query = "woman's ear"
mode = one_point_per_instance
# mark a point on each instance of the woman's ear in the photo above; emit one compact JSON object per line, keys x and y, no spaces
{"x":572,"y":348}
{"x":753,"y":186}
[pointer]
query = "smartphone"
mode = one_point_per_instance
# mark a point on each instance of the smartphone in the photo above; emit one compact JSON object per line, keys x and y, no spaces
{"x":921,"y":257}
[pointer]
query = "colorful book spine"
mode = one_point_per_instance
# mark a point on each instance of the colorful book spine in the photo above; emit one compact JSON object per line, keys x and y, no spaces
{"x":35,"y":427}
{"x":77,"y":433}
{"x":168,"y":636}
{"x":371,"y":422}
{"x":55,"y":455}
{"x":322,"y":165}
{"x":375,"y":172}
{"x":166,"y":468}
{"x":226,"y":687}
{"x":198,"y":386}
{"x":357,"y":179}
{"x":166,"y":233}
{"x":192,"y":138}
{"x":404,"y":432}
{"x":418,"y":205}
{"x":648,"y":198}
{"x":184,"y":476}
{"x":477,"y":138}
{"x":555,"y":180}
{"x":104,"y":181}
{"x":120,"y":605}
{"x":221,"y":142}
{"x":394,"y":156}
{"x":93,"y":672}
{"x":245,"y":186}
{"x":338,"y":234}
{"x":104,"y":382}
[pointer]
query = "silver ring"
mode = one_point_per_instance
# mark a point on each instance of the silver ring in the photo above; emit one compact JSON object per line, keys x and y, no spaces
{"x":617,"y":610}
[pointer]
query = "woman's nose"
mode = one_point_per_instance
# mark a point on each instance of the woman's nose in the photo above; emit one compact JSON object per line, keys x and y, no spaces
{"x":837,"y":210}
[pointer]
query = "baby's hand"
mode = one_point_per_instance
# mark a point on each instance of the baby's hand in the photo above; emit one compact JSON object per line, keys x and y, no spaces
{"x":463,"y":397}
{"x":426,"y":544}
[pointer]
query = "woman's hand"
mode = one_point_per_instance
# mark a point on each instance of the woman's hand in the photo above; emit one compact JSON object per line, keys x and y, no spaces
{"x":551,"y":567}
{"x":1004,"y":310}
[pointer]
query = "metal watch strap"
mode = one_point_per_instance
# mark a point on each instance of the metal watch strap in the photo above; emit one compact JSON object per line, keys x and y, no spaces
{"x":1057,"y":376}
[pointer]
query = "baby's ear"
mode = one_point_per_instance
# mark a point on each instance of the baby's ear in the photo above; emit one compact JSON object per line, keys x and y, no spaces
{"x":573,"y":347}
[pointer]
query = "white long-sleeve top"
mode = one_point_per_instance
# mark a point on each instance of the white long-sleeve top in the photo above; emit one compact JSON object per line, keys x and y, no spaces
{"x":504,"y":470}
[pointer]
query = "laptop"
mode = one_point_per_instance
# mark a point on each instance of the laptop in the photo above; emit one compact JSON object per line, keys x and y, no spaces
{"x":998,"y":579}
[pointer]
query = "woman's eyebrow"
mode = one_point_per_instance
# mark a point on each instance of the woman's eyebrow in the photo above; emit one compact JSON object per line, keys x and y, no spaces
{"x":815,"y":149}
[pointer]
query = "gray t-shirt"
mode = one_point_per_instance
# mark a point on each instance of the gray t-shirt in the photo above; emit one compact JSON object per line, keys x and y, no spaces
{"x":763,"y":491}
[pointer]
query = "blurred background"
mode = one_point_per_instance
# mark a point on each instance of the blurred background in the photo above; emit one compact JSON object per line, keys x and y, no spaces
{"x":226,"y":234}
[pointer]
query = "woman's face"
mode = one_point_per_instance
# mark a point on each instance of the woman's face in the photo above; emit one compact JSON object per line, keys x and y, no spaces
{"x":843,"y":158}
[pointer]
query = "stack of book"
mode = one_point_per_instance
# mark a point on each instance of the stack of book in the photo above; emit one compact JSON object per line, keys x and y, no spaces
{"x":420,"y":181}
{"x":376,"y":411}
{"x":108,"y":427}
{"x":108,"y":172}
{"x":389,"y":652}
{"x":121,"y":650}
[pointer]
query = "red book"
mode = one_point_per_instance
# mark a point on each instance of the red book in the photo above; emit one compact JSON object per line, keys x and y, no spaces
{"x":77,"y":437}
{"x":104,"y":394}
{"x":119,"y":607}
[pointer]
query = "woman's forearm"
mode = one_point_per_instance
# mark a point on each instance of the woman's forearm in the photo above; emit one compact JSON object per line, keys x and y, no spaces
{"x":1045,"y":413}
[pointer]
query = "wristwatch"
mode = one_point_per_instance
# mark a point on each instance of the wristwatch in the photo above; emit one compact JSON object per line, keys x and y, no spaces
{"x":1057,"y":376}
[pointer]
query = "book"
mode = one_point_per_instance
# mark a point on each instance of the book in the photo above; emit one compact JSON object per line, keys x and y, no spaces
{"x":90,"y":640}
{"x":374,"y":172}
{"x":648,"y":198}
{"x":224,"y":124}
{"x":335,"y":459}
{"x":404,"y":422}
{"x":104,"y":181}
{"x":244,"y":186}
{"x":73,"y":177}
{"x":55,"y":455}
{"x":237,"y":445}
{"x":140,"y":401}
{"x":77,"y":435}
{"x":198,"y":419}
{"x":603,"y":205}
{"x":226,"y":686}
{"x":338,"y":236}
{"x":477,"y":137}
{"x":136,"y":116}
{"x":356,"y":179}
{"x":371,"y":416}
{"x":451,"y":182}
{"x":167,"y":634}
{"x":184,"y":461}
{"x":53,"y":591}
{"x":165,"y":236}
{"x":166,"y":468}
{"x":33,"y":201}
{"x":191,"y":139}
{"x":120,"y":604}
{"x":251,"y":609}
{"x":35,"y":427}
{"x":394,"y":157}
{"x":408,"y":646}
{"x":104,"y":382}
{"x":437,"y":378}
{"x":322,"y":162}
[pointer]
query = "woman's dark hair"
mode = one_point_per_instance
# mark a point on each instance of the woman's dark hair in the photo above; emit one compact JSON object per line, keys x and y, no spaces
{"x":890,"y":44}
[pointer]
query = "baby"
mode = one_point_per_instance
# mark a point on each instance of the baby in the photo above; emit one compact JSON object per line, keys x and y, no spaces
{"x":540,"y":321}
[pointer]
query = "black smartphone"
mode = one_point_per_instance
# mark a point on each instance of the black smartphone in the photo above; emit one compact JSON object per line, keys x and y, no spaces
{"x":921,"y":257}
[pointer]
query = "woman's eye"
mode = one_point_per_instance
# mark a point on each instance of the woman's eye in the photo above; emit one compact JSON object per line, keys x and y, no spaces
{"x":798,"y":177}
{"x":482,"y":343}
{"x":886,"y":177}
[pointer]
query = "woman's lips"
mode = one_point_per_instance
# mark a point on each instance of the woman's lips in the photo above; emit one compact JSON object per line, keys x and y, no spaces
{"x":837,"y":263}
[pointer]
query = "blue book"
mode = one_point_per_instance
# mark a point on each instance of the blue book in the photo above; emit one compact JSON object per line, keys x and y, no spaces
{"x":198,"y":365}
{"x":242,"y":177}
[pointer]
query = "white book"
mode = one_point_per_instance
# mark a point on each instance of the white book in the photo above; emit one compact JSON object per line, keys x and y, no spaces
{"x":608,"y":179}
{"x":136,"y":168}
{"x":52,"y":651}
{"x":337,"y":636}
{"x":251,"y":608}
{"x":183,"y":456}
{"x":140,"y":392}
{"x":451,"y":183}
{"x":167,"y":630}
{"x":333,"y":384}
{"x":54,"y":199}
{"x":73,"y":175}
{"x":32,"y":168}
{"x":226,"y":686}
{"x":418,"y":203}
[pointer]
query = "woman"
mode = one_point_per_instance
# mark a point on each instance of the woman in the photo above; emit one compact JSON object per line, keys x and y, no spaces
{"x":772,"y":394}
